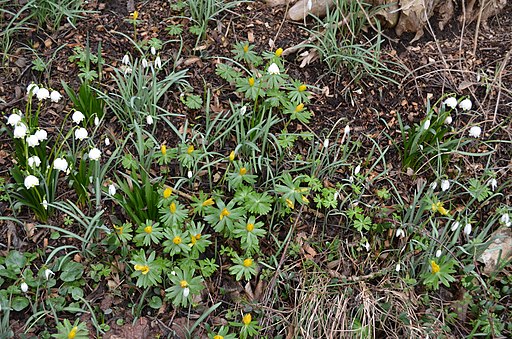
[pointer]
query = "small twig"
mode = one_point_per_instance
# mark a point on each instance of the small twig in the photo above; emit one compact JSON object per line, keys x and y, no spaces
{"x":477,"y":28}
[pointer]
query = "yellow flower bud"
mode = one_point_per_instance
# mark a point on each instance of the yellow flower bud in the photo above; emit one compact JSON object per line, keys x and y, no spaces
{"x":435,"y":267}
{"x":248,"y":262}
{"x":251,"y":81}
{"x":246,"y":48}
{"x":302,"y":88}
{"x":289,"y":203}
{"x":249,"y":227}
{"x":183,"y":284}
{"x":243,"y":171}
{"x":163,"y":149}
{"x":232,"y":156}
{"x":176,"y":240}
{"x":172,"y":208}
{"x":224,"y":213}
{"x":135,"y":15}
{"x":299,"y":107}
{"x":190,"y":149}
{"x":167,"y":192}
{"x":72,"y":333}
{"x":148,"y":229}
{"x":218,"y":337}
{"x":247,"y":319}
{"x":278,"y":52}
{"x":208,"y":202}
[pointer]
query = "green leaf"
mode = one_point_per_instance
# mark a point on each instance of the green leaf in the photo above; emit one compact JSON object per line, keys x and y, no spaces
{"x":18,"y":303}
{"x":155,"y":302}
{"x":72,"y":271}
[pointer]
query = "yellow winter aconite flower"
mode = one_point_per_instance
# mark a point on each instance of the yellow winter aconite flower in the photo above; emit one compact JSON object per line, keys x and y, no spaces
{"x":198,"y":236}
{"x":302,"y":88}
{"x":143,"y":268}
{"x":248,"y":262}
{"x":148,"y":229}
{"x":224,"y":213}
{"x":190,"y":149}
{"x":243,"y":171}
{"x":249,"y":227}
{"x":246,"y":48}
{"x":299,"y":107}
{"x":167,"y":192}
{"x":183,"y":283}
{"x":119,"y":229}
{"x":135,"y":15}
{"x":247,"y":319}
{"x":305,"y":200}
{"x":72,"y":333}
{"x":232,"y":156}
{"x":193,"y":240}
{"x":208,"y":202}
{"x":176,"y":240}
{"x":438,"y":207}
{"x":251,"y":81}
{"x":163,"y":149}
{"x":278,"y":52}
{"x":172,"y":207}
{"x":289,"y":203}
{"x":218,"y":337}
{"x":435,"y":267}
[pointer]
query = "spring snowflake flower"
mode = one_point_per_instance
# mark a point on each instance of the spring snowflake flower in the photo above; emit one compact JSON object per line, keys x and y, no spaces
{"x":467,"y":229}
{"x":96,"y":121}
{"x":31,"y":181}
{"x":426,"y":125}
{"x":95,"y":154}
{"x":445,"y":185}
{"x":34,"y":161}
{"x":189,"y":174}
{"x":493,"y":183}
{"x":13,"y":119}
{"x":81,"y":133}
{"x":55,"y":96}
{"x":400,"y":233}
{"x":111,"y":189}
{"x":158,"y":62}
{"x":144,"y":63}
{"x":475,"y":131}
{"x":41,"y":134}
{"x":149,"y":120}
{"x":455,"y":225}
{"x":505,"y":219}
{"x":43,"y":94}
{"x":60,"y":164}
{"x":273,"y":69}
{"x":126,"y":60}
{"x":47,"y":273}
{"x":32,"y":140}
{"x":24,"y":287}
{"x":32,"y":88}
{"x":78,"y":117}
{"x":448,"y":120}
{"x":451,"y":102}
{"x":20,"y":131}
{"x":465,"y":104}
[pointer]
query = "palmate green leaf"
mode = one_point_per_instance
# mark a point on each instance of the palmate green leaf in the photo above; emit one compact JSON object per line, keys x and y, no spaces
{"x":227,"y":72}
{"x":258,"y":203}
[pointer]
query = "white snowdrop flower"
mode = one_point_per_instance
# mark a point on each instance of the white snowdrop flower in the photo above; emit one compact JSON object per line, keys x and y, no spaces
{"x":466,"y":104}
{"x":243,"y":110}
{"x":310,"y":5}
{"x":448,"y":120}
{"x":475,"y":131}
{"x":451,"y":102}
{"x":126,"y":60}
{"x":107,"y":142}
{"x":144,"y":63}
{"x":426,"y":125}
{"x":273,"y":69}
{"x":189,"y":174}
{"x":467,"y":229}
{"x":438,"y":253}
{"x":45,"y":204}
{"x":55,"y":96}
{"x":149,"y":120}
{"x":347,"y":129}
{"x":173,"y":272}
{"x":95,"y":154}
{"x":43,"y":94}
{"x":32,"y":88}
{"x":357,"y":170}
{"x":398,"y":267}
{"x":81,"y":133}
{"x":111,"y":189}
{"x":505,"y":219}
{"x":60,"y":164}
{"x":96,"y":121}
{"x":326,"y":143}
{"x":13,"y":119}
{"x":20,"y":131}
{"x":78,"y":117}
{"x":493,"y":183}
{"x":47,"y":273}
{"x":153,"y":50}
{"x":400,"y":233}
{"x":24,"y":287}
{"x":336,"y":195}
{"x":445,"y":185}
{"x":90,"y":179}
{"x":32,"y":140}
{"x":186,"y":292}
{"x":41,"y":134}
{"x":433,"y":186}
{"x":367,"y":246}
{"x":455,"y":225}
{"x":34,"y":161}
{"x":31,"y":181}
{"x":158,"y":62}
